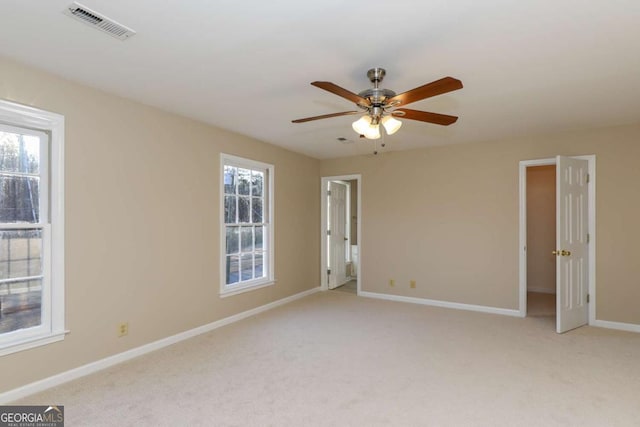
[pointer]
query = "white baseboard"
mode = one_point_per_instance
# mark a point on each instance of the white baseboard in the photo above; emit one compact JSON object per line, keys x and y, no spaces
{"x":38,"y":386}
{"x":445,"y":304}
{"x":542,"y":290}
{"x":629,"y":327}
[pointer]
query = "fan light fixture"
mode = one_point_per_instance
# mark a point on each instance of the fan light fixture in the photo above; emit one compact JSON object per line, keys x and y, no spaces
{"x":367,"y":126}
{"x":391,"y":125}
{"x":361,"y":125}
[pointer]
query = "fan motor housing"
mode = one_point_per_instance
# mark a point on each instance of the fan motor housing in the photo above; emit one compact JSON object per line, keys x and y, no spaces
{"x":377,"y":95}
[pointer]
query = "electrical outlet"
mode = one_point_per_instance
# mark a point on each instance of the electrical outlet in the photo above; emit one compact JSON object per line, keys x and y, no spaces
{"x":123,"y":329}
{"x":392,"y":283}
{"x":412,"y":284}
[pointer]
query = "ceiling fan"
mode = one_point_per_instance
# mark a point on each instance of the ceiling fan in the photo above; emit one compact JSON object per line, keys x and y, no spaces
{"x":380,"y":106}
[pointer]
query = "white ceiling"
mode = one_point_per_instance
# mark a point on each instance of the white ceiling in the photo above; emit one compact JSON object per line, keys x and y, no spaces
{"x":528,"y":66}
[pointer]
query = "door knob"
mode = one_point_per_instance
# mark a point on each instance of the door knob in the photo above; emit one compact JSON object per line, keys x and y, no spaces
{"x":558,"y":252}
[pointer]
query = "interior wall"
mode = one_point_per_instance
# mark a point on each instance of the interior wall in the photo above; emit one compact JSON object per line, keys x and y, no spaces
{"x":448,"y":217}
{"x":541,"y":229}
{"x":142,"y":223}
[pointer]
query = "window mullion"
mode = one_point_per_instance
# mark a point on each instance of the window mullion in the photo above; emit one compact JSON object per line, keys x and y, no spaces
{"x":21,"y":225}
{"x":21,"y":279}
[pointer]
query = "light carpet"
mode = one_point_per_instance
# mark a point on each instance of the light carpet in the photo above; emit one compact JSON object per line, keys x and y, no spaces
{"x":351,"y":287}
{"x":539,"y":304}
{"x":335,"y":359}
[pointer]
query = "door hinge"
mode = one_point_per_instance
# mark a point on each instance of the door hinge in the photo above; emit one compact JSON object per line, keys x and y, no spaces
{"x":328,"y":192}
{"x":588,"y":178}
{"x":588,"y":298}
{"x":329,"y":271}
{"x":328,"y":232}
{"x":588,"y":237}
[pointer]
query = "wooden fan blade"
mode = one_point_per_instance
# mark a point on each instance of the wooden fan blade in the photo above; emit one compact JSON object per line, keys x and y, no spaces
{"x":447,"y":84}
{"x":424,"y":116}
{"x":337,"y":90}
{"x":326,"y":116}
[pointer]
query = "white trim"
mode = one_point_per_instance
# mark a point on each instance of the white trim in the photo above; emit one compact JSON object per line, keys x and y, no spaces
{"x":32,"y":343}
{"x":524,"y":164}
{"x":16,"y":114}
{"x":522,"y":300}
{"x":239,"y":288}
{"x":443,"y":304}
{"x":337,"y":270}
{"x":629,"y":327}
{"x":52,"y":327}
{"x":324,"y":181}
{"x":55,"y":380}
{"x":56,"y":209}
{"x":249,"y":287}
{"x":347,"y":224}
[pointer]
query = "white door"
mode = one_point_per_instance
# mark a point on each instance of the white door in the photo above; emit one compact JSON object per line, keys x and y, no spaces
{"x":572,"y":268}
{"x":337,"y":239}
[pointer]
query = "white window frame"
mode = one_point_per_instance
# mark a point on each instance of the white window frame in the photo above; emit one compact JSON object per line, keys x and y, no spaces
{"x":49,"y":126}
{"x":268,"y":262}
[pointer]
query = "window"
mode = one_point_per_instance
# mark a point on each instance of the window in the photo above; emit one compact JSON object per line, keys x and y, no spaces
{"x":247,"y":227}
{"x":31,"y":246}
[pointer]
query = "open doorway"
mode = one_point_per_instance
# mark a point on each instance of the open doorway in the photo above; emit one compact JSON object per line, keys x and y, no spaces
{"x":557,"y":238}
{"x":541,"y":241}
{"x":341,"y":233}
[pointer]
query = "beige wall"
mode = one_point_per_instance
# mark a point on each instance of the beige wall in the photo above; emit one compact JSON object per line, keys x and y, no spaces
{"x":142,"y":231}
{"x":448,"y":218}
{"x":541,"y":228}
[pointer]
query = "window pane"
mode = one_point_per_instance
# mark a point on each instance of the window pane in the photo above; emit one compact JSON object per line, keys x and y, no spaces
{"x":243,"y":209}
{"x":246,"y":237}
{"x":232,"y":240}
{"x":230,"y":210}
{"x":246,"y":265}
{"x":19,"y":153}
{"x":244,"y":181}
{"x":257,"y":183}
{"x":229,"y":179}
{"x":21,"y":304}
{"x":20,"y":253}
{"x":233,"y":263}
{"x":245,"y":228}
{"x":258,"y":270}
{"x":258,"y":238}
{"x":256,"y":210}
{"x":19,"y":199}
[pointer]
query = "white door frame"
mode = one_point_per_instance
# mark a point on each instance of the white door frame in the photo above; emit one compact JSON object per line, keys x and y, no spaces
{"x":323,"y":227}
{"x":524,"y":164}
{"x":339,"y":248}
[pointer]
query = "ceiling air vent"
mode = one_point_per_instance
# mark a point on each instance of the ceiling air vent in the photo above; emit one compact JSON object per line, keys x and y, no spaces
{"x":96,"y":20}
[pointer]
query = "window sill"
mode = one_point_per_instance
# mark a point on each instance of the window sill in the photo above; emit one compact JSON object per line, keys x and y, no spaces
{"x":242,"y":289}
{"x":32,"y":343}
